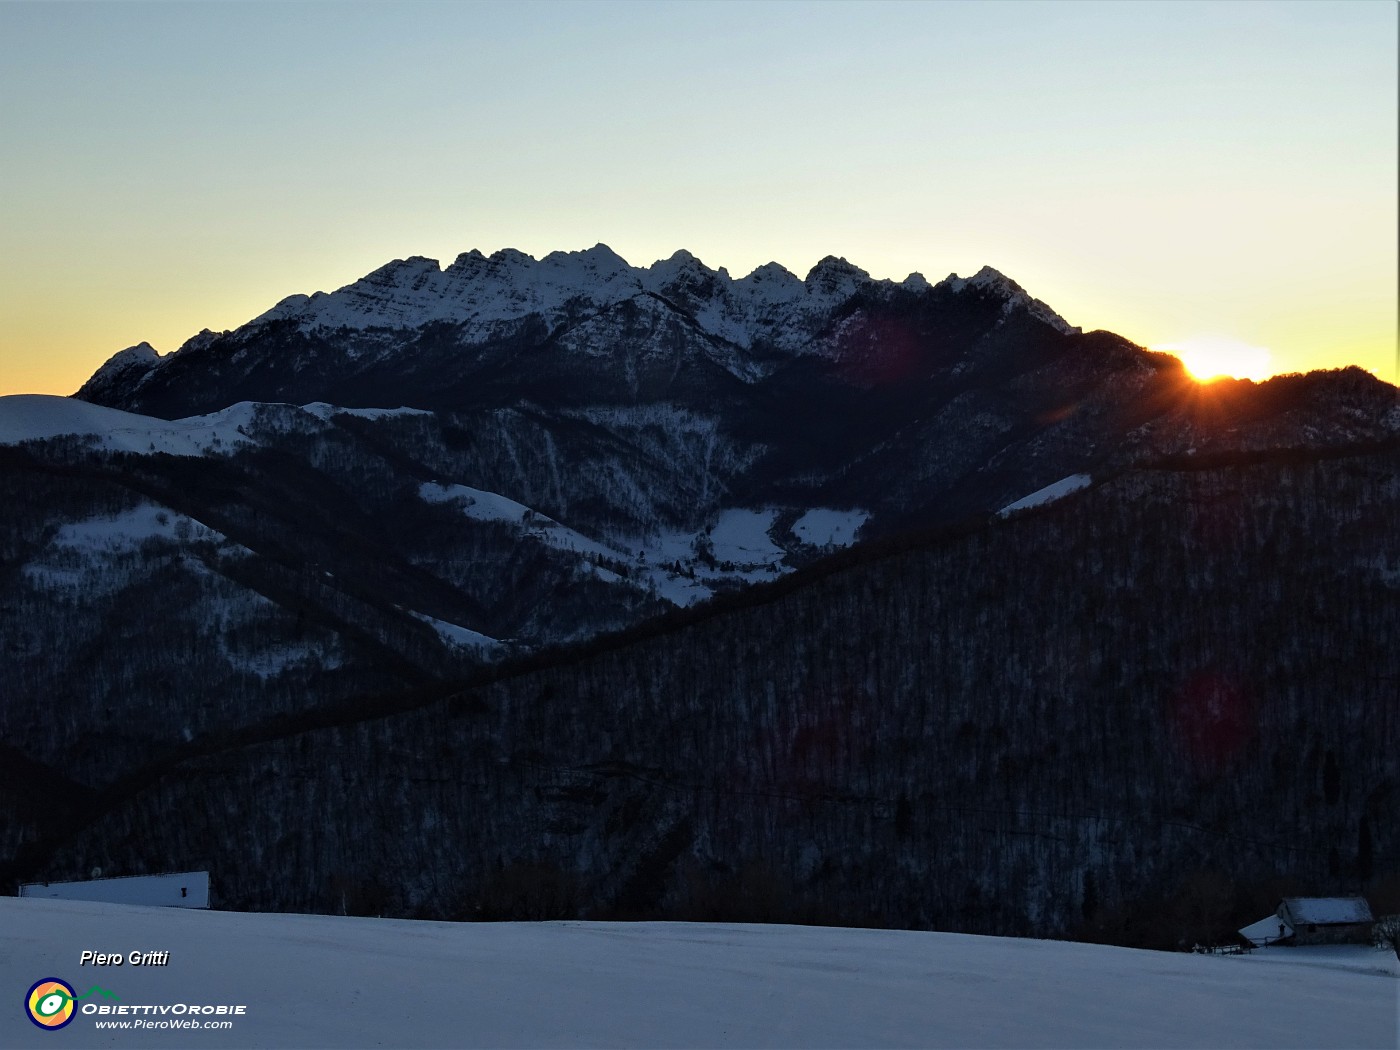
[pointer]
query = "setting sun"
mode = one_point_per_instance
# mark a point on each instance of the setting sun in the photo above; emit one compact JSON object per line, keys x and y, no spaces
{"x":1219,"y":357}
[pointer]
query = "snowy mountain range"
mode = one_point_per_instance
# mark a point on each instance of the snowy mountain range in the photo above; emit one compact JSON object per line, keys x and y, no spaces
{"x":696,"y":394}
{"x":358,"y":500}
{"x":668,"y":433}
{"x":770,"y":302}
{"x":744,"y":326}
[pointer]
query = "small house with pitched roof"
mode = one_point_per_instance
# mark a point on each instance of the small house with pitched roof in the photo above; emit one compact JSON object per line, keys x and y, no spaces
{"x":1314,"y":920}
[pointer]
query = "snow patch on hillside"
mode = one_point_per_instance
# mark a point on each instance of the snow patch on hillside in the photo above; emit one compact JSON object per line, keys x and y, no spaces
{"x":81,"y":553}
{"x":476,"y":503}
{"x":492,"y":506}
{"x":1049,"y":494}
{"x":273,"y":660}
{"x":132,"y":528}
{"x":38,"y":417}
{"x":458,"y":636}
{"x":99,"y":554}
{"x":324,"y":411}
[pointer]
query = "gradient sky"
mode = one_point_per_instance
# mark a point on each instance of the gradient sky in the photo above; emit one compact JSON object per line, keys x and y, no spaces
{"x":1169,"y":171}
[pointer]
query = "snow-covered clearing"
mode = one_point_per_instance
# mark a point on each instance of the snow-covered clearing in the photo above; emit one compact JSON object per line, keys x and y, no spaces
{"x":133,"y":527}
{"x":829,"y":528}
{"x":742,"y":537}
{"x":740,"y":543}
{"x":316,"y":981}
{"x":83,"y":553}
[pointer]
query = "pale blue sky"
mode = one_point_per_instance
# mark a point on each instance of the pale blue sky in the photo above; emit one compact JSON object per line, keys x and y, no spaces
{"x":1165,"y":170}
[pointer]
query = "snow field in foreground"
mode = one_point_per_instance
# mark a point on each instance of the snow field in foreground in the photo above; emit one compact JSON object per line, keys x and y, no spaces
{"x":319,"y":981}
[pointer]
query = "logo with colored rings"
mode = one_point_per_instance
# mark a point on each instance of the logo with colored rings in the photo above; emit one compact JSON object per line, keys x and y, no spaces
{"x":50,"y":1003}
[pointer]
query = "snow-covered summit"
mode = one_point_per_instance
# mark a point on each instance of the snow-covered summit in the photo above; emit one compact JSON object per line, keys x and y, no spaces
{"x":681,"y":269}
{"x":835,"y":278}
{"x":126,"y":366}
{"x":142,"y":351}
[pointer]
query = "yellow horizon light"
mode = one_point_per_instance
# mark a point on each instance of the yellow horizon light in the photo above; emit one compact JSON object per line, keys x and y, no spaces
{"x":1210,"y":357}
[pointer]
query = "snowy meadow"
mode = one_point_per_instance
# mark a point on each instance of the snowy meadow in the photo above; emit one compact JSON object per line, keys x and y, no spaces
{"x":320,"y":981}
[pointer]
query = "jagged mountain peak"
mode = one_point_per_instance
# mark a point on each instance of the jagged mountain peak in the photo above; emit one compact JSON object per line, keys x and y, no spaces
{"x":683,"y":278}
{"x":991,"y":281}
{"x":990,"y":277}
{"x":833,"y":279}
{"x":473,"y":264}
{"x":835,"y":264}
{"x":987,"y":279}
{"x":413,"y":264}
{"x":772,"y":271}
{"x":403,"y":272}
{"x":770,"y":288}
{"x":834,"y":271}
{"x":680,"y":261}
{"x":599,"y":260}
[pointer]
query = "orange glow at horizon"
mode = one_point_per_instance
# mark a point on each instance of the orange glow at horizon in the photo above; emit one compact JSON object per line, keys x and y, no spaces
{"x":1212,"y":357}
{"x":154,"y":186}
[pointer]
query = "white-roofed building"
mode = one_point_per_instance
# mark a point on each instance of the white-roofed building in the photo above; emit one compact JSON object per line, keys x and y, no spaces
{"x":1314,"y":920}
{"x":1267,"y":931}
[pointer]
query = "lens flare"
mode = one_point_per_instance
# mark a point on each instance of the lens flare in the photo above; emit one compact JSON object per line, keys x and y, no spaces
{"x":1214,"y":718}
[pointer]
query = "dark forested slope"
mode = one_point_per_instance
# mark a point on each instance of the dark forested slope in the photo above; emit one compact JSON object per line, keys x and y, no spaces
{"x":1127,"y":715}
